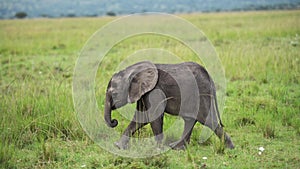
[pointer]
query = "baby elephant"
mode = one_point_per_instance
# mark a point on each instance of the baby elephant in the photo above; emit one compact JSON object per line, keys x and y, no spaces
{"x":184,"y":89}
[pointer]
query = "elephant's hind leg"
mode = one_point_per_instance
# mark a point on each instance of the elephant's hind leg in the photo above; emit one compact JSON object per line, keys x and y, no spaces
{"x":212,"y":121}
{"x":189,"y":124}
{"x":224,"y":137}
{"x":218,"y":130}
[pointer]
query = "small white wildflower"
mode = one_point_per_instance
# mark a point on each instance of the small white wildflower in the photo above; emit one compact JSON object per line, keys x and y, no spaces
{"x":259,"y":153}
{"x":204,"y":158}
{"x":261,"y":149}
{"x":83,"y":166}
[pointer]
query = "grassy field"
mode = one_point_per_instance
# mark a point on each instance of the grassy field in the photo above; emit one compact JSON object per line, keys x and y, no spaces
{"x":260,"y":52}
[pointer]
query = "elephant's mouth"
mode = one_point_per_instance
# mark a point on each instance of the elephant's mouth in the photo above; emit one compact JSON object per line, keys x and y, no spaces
{"x":115,"y":104}
{"x":113,"y":107}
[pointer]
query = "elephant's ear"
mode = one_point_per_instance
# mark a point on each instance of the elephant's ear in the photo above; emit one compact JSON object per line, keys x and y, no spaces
{"x":142,"y":81}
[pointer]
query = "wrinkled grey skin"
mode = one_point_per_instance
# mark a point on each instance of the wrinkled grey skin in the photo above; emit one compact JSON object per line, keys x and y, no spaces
{"x":158,"y":89}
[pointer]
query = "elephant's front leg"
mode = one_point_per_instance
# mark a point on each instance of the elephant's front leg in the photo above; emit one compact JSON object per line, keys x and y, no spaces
{"x":137,"y":122}
{"x":157,"y":129}
{"x":189,"y":124}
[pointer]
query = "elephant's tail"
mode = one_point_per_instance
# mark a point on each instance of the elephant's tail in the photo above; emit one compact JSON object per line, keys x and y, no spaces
{"x":215,"y":101}
{"x":217,"y":109}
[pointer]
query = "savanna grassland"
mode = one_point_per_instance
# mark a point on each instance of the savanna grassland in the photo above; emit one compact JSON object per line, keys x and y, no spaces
{"x":260,"y":52}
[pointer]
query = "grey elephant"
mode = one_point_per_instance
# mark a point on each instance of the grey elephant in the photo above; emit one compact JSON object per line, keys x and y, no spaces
{"x":184,"y":90}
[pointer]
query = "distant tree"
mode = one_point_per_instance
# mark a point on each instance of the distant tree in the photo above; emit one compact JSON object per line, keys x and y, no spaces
{"x":21,"y":15}
{"x":46,"y":16}
{"x":71,"y":15}
{"x":91,"y":15}
{"x":110,"y":13}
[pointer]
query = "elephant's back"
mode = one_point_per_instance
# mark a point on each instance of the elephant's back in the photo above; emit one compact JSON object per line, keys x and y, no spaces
{"x":183,"y":70}
{"x":188,"y":73}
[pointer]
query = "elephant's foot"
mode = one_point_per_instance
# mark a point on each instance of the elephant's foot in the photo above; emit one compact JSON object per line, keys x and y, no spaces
{"x":178,"y":145}
{"x":228,"y":142}
{"x":123,"y":143}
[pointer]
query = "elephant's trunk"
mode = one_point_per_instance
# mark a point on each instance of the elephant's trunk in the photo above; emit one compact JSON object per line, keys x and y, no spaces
{"x":107,"y":112}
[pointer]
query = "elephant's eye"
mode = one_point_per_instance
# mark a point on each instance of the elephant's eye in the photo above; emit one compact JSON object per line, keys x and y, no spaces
{"x":114,"y":94}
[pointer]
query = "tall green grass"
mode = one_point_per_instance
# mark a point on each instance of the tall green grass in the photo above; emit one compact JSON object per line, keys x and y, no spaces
{"x":260,"y":54}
